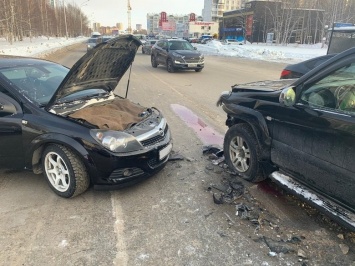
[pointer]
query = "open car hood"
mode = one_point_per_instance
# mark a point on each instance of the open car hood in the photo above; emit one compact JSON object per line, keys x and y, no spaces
{"x":102,"y":67}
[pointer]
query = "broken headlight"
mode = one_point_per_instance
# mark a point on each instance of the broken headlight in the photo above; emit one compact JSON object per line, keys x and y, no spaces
{"x":116,"y":141}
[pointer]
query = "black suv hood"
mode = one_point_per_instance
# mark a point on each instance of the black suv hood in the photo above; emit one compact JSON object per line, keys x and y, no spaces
{"x":102,"y":67}
{"x":267,"y":85}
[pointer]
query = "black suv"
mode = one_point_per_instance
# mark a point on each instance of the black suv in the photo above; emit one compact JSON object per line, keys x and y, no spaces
{"x":176,"y":54}
{"x":300,"y":132}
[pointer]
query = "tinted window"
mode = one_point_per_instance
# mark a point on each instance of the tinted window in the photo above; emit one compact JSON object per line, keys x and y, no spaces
{"x":180,"y":45}
{"x":336,"y":91}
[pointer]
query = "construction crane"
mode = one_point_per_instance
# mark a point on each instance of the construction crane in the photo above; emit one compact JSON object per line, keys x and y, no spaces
{"x":129,"y":16}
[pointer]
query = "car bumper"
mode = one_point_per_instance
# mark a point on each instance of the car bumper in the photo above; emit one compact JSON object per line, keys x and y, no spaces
{"x":112,"y":172}
{"x":179,"y":65}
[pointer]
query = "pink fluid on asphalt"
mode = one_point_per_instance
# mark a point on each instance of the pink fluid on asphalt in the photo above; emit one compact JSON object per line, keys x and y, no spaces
{"x":205,"y":133}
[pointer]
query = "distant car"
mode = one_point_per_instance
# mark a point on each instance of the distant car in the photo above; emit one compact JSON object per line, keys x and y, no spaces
{"x":341,"y":38}
{"x":300,"y":132}
{"x":193,"y":40}
{"x":106,"y":38}
{"x":69,"y":125}
{"x":176,"y":54}
{"x":147,"y":46}
{"x":232,"y":42}
{"x":92,"y":42}
{"x":298,"y":70}
{"x":206,"y":40}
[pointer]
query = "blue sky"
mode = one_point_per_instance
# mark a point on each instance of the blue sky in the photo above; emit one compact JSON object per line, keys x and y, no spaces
{"x":109,"y":12}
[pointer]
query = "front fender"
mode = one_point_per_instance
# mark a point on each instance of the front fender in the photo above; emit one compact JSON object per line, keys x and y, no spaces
{"x":34,"y":154}
{"x":240,"y":114}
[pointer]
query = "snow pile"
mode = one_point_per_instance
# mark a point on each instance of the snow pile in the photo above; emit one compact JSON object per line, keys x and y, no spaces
{"x":36,"y":47}
{"x":291,"y":53}
{"x":268,"y":52}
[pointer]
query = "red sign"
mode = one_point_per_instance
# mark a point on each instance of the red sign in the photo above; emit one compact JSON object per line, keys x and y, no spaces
{"x":163,"y":16}
{"x":168,"y":26}
{"x":201,"y":23}
{"x":249,"y":25}
{"x":192,"y":17}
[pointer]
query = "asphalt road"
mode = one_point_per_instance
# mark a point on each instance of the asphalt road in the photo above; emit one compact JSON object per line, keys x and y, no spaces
{"x":171,"y":218}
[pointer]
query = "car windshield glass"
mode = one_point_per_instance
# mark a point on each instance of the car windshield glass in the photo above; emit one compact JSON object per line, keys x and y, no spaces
{"x":180,"y":45}
{"x":36,"y":82}
{"x":92,"y":40}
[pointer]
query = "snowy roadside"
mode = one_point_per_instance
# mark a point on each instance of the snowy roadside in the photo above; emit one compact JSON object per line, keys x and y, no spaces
{"x":37,"y":47}
{"x":292,"y":53}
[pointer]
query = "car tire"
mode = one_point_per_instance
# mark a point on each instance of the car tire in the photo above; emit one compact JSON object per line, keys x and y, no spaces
{"x":65,"y":172}
{"x":242,"y":152}
{"x":198,"y":70}
{"x":169,"y":66}
{"x":153,"y":60}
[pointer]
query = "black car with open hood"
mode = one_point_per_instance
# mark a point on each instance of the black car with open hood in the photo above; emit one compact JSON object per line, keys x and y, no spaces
{"x":299,"y":132}
{"x":69,"y":124}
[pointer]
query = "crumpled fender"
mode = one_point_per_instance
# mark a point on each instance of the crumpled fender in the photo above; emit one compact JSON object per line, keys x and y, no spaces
{"x":240,"y":114}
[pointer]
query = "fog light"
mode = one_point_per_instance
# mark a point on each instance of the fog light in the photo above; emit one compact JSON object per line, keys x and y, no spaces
{"x":127,"y":172}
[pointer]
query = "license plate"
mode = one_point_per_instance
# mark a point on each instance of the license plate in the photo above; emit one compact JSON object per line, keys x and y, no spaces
{"x":165,"y":151}
{"x":192,"y":65}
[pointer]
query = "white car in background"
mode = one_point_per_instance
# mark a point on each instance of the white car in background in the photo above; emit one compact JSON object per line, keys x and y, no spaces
{"x":232,"y":42}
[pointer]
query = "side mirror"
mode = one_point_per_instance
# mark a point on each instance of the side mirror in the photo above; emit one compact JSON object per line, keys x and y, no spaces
{"x":288,"y":96}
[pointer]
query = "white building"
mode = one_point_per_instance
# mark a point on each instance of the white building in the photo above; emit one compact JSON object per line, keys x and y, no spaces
{"x":199,"y":28}
{"x":178,"y":24}
{"x":213,"y":9}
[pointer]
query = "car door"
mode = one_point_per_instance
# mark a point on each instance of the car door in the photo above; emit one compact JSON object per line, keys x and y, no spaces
{"x":162,"y":53}
{"x":315,"y":139}
{"x":11,"y":148}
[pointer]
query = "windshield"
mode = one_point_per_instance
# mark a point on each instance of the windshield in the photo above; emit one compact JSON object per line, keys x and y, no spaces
{"x":180,"y":45}
{"x":36,"y":82}
{"x":92,"y":40}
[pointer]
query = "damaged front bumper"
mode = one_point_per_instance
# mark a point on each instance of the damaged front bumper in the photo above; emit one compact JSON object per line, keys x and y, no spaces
{"x":127,"y":169}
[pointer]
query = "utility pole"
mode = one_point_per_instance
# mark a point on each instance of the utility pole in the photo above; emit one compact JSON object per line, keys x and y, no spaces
{"x":129,"y":16}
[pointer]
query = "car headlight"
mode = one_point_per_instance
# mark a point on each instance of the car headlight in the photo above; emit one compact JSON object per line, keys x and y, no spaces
{"x":116,"y":141}
{"x":202,"y":57}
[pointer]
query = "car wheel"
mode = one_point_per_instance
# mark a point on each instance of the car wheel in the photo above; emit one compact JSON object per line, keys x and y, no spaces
{"x":64,"y":171}
{"x":153,"y":60}
{"x":198,"y":70}
{"x":242,"y":151}
{"x":170,"y":66}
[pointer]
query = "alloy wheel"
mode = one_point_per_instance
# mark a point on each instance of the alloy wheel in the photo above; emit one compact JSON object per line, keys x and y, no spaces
{"x":240,"y":154}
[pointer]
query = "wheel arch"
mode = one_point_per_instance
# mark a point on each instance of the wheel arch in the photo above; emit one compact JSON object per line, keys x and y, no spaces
{"x":40,"y":143}
{"x":239,"y":114}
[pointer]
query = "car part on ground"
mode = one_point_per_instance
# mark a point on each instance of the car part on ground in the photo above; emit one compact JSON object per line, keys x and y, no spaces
{"x":301,"y":132}
{"x":176,"y":54}
{"x":70,"y":126}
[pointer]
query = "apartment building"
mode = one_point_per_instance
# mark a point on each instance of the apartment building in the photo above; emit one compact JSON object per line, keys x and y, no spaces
{"x":170,"y":24}
{"x":213,"y":9}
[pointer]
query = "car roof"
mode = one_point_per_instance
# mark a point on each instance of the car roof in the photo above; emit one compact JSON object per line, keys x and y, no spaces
{"x":12,"y":61}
